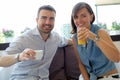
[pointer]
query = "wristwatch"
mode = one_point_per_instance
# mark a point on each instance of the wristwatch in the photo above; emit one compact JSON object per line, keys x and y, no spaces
{"x":17,"y":58}
{"x":97,"y":38}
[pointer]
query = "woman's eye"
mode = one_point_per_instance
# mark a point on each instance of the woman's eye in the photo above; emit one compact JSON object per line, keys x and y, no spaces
{"x":83,"y":15}
{"x":75,"y":17}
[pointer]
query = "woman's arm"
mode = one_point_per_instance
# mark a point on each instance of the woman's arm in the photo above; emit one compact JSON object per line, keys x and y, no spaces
{"x":106,"y":45}
{"x":81,"y":65}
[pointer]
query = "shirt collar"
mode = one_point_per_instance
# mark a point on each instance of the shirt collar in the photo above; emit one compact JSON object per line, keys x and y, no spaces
{"x":36,"y":32}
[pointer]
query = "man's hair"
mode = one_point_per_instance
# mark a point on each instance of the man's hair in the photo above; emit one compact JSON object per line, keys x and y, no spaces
{"x":45,"y":7}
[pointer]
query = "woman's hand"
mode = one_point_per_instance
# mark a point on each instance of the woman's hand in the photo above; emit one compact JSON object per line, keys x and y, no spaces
{"x":84,"y":33}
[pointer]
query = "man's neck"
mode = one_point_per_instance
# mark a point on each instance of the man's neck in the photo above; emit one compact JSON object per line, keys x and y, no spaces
{"x":44,"y":36}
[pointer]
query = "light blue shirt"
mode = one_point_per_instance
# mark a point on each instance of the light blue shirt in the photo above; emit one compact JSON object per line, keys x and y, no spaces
{"x":93,"y":58}
{"x":35,"y":69}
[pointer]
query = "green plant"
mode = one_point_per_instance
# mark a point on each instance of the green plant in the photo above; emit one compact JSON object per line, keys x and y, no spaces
{"x":115,"y":26}
{"x":103,"y":25}
{"x":8,"y":33}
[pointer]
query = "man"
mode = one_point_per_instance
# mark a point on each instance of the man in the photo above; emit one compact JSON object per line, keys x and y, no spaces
{"x":40,"y":38}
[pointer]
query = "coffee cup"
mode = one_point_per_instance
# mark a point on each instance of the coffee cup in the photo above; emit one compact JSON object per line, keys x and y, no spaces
{"x":39,"y":54}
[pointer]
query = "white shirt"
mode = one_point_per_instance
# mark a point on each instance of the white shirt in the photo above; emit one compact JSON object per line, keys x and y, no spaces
{"x":36,"y":69}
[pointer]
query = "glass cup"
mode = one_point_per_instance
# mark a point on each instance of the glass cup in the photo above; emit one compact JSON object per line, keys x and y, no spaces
{"x":81,"y":42}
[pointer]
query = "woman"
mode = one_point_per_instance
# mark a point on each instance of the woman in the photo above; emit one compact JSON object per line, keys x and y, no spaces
{"x":97,"y":57}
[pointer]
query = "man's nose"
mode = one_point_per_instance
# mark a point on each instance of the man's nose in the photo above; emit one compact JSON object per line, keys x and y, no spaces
{"x":47,"y":21}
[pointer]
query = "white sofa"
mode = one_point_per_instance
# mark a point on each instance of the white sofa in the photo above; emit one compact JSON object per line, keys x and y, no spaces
{"x":5,"y":73}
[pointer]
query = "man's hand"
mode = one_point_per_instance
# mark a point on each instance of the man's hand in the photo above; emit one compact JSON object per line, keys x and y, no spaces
{"x":27,"y":54}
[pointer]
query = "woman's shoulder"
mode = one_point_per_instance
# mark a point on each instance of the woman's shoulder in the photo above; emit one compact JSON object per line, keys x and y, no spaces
{"x":96,"y":26}
{"x":103,"y":32}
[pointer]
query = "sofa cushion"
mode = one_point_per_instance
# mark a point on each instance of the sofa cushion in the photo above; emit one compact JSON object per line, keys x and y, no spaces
{"x":71,"y":64}
{"x":64,"y":65}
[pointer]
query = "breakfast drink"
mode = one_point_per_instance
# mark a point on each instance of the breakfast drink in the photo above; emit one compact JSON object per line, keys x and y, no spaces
{"x":81,"y":42}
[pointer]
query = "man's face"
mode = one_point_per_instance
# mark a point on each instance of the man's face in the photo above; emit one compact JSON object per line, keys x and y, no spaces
{"x":45,"y":21}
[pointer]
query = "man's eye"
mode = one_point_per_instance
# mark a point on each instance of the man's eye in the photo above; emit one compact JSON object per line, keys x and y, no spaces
{"x":52,"y":18}
{"x":43,"y":17}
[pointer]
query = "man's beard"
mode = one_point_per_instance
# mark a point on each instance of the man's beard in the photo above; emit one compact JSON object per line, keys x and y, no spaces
{"x":48,"y":32}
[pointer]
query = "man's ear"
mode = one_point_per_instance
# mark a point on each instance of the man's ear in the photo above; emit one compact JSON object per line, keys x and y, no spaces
{"x":36,"y":19}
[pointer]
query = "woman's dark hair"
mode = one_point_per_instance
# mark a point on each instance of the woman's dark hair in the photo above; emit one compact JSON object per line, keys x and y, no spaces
{"x":76,"y":8}
{"x":45,"y":7}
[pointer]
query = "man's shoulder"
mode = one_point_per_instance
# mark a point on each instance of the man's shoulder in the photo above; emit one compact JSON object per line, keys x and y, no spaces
{"x":55,"y":34}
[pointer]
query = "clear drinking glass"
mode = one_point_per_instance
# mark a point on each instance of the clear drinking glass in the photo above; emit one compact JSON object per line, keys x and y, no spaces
{"x":81,"y":42}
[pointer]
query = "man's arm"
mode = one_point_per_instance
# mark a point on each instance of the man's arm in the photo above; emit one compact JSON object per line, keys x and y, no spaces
{"x":70,"y":42}
{"x":7,"y":60}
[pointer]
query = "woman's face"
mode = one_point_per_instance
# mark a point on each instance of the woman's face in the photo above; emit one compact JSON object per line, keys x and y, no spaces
{"x":83,"y":18}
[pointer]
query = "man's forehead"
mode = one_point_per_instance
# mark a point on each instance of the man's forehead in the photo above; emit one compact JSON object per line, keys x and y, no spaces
{"x":47,"y":13}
